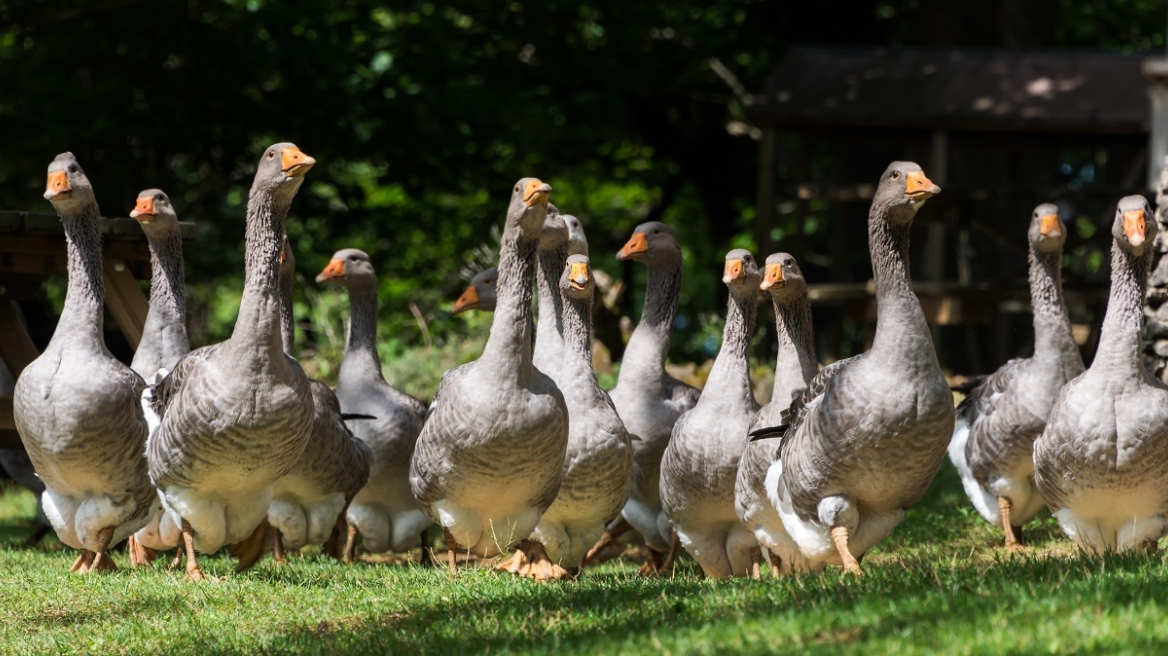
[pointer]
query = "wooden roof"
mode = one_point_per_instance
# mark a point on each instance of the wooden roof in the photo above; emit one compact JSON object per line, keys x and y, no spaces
{"x":996,"y":90}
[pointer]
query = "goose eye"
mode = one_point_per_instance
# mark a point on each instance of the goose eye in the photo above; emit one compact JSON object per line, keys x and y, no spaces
{"x":516,"y":188}
{"x":656,"y":232}
{"x":72,"y":169}
{"x":895,"y":174}
{"x":271,"y":154}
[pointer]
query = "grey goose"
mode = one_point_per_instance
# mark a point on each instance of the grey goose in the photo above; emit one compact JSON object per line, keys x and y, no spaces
{"x":869,"y":434}
{"x":77,"y":408}
{"x":1003,"y":413}
{"x":1102,"y":461}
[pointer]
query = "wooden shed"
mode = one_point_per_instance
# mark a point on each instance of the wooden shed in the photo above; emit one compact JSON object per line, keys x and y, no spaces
{"x":999,"y":131}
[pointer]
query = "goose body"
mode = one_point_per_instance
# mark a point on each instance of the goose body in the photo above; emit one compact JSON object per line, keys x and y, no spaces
{"x":308,"y":501}
{"x":76,"y":407}
{"x":700,"y":465}
{"x":489,"y":460}
{"x":599,"y":457}
{"x":649,"y":400}
{"x":235,"y":416}
{"x":870,"y":432}
{"x":997,"y":423}
{"x":384,"y":512}
{"x":1102,"y":461}
{"x":794,"y":369}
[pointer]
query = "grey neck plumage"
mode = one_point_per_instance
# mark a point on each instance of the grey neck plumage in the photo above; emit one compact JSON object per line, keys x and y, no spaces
{"x":256,"y":338}
{"x":549,"y":330}
{"x":795,"y":365}
{"x":643,"y":364}
{"x":287,"y":313}
{"x":1119,"y":339}
{"x":1053,"y":339}
{"x":82,"y":318}
{"x":730,"y":375}
{"x":902,"y":334}
{"x":577,"y":321}
{"x":164,"y":336}
{"x":508,"y":348}
{"x":361,"y":361}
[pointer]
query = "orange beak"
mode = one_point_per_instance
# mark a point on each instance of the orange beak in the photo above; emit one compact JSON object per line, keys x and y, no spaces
{"x":295,"y":161}
{"x":57,"y":184}
{"x":335,"y":271}
{"x":1050,"y":226}
{"x":1134,"y":226}
{"x":733,"y":271}
{"x":920,"y":188}
{"x":144,"y":209}
{"x":636,"y":247}
{"x":579,"y":275}
{"x":468,"y":301}
{"x":773,"y":277}
{"x":536,"y":193}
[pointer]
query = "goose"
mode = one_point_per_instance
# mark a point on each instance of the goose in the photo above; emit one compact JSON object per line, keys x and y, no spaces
{"x":577,"y":240}
{"x":479,"y":295}
{"x":76,"y":407}
{"x":1003,"y":413}
{"x":599,"y":459}
{"x":384,"y":512}
{"x":551,"y":253}
{"x":309,"y":502}
{"x":794,"y":368}
{"x":235,"y":416}
{"x":700,"y":465}
{"x":648,"y":399}
{"x":490,"y":457}
{"x":1101,"y":462}
{"x":869,"y":434}
{"x":164,"y":341}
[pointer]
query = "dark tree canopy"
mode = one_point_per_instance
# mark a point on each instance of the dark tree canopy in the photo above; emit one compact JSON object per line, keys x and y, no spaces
{"x":421,"y":115}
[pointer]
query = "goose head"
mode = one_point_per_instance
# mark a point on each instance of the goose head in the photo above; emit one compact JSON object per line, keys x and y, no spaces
{"x":67,"y":188}
{"x":154,"y":212}
{"x":902,"y":190}
{"x":741,"y":274}
{"x":529,"y":206}
{"x":577,"y":242}
{"x":577,"y":282}
{"x":351,"y":268}
{"x":782,"y":277}
{"x":479,"y":295}
{"x":1135,"y":227}
{"x":554,"y":232}
{"x":652,"y":243}
{"x":1047,"y":232}
{"x":281,"y":170}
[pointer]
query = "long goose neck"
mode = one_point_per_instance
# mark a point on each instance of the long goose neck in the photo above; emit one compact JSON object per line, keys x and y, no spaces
{"x":164,"y":336}
{"x":795,"y":365}
{"x":82,"y":315}
{"x":648,"y":348}
{"x":730,"y":375}
{"x":361,"y":359}
{"x":1053,"y":339}
{"x":287,"y":316}
{"x":900,"y":323}
{"x":1119,"y":340}
{"x":508,"y":347}
{"x":549,"y":330}
{"x":257,"y":330}
{"x":577,"y":336}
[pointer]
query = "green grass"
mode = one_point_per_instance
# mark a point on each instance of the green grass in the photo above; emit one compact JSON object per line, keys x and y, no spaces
{"x":939,"y":584}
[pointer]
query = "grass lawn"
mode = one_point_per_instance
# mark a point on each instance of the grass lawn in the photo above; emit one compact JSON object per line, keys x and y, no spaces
{"x":940,"y":584}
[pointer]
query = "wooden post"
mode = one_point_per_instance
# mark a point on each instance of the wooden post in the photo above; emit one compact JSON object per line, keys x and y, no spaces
{"x":125,"y":300}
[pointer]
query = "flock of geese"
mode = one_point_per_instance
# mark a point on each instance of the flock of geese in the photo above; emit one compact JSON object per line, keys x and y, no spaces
{"x":231,"y":445}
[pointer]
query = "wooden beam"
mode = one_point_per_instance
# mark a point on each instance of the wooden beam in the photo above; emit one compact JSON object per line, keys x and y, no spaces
{"x":17,"y":348}
{"x":125,"y":300}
